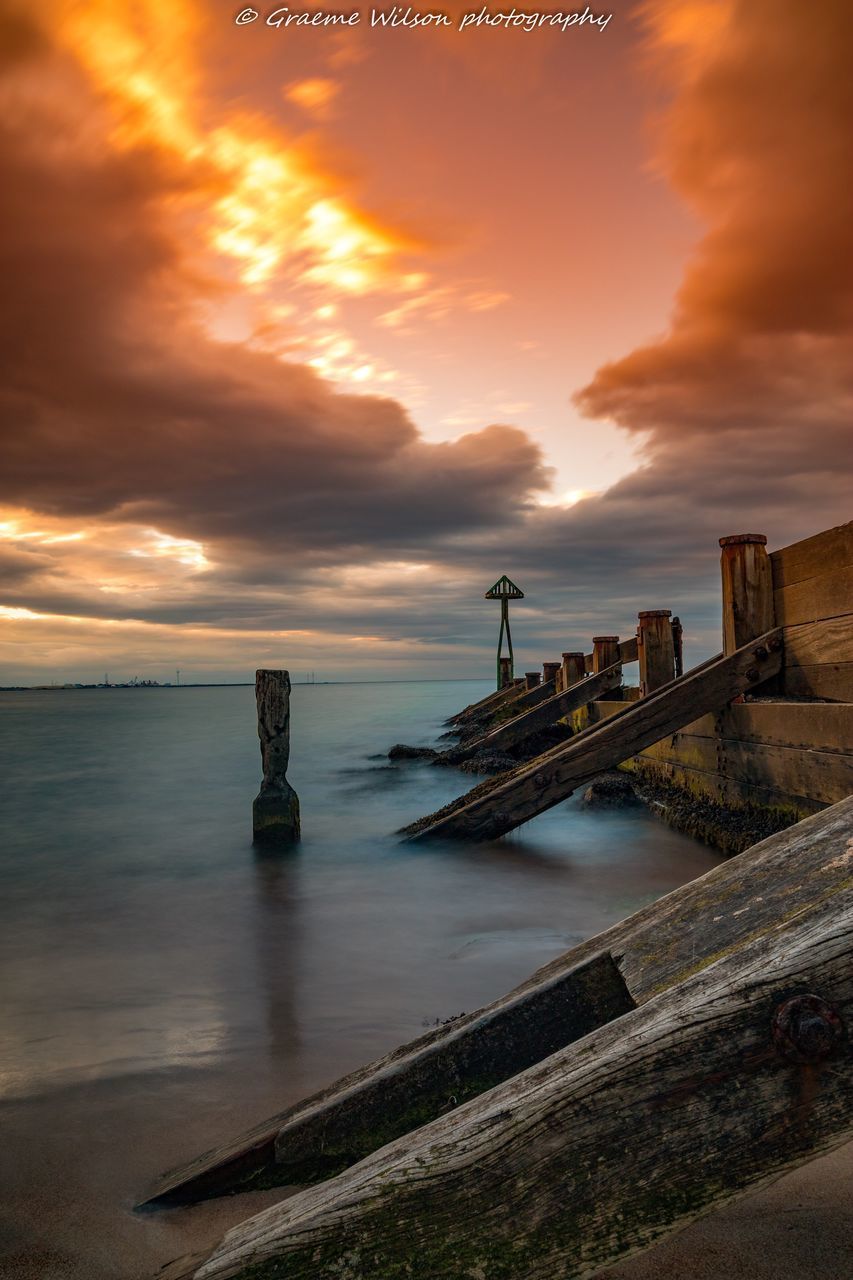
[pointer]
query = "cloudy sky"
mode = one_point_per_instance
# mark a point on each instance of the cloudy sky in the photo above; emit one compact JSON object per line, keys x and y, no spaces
{"x":310,"y":334}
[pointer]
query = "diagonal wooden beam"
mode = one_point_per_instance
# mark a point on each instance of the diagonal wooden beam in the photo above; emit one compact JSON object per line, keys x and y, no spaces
{"x":735,"y":1062}
{"x":549,"y":711}
{"x":491,"y":811}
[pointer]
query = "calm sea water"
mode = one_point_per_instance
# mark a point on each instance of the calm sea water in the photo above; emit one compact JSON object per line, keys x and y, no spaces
{"x":164,"y":987}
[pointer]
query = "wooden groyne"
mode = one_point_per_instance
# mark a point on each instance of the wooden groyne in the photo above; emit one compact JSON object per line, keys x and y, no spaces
{"x":716,"y":1019}
{"x":738,"y":1045}
{"x":767,"y":725}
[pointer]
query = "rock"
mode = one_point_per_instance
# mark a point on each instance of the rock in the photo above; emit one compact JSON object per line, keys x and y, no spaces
{"x":611,"y":791}
{"x":402,"y":752}
{"x":488,"y":762}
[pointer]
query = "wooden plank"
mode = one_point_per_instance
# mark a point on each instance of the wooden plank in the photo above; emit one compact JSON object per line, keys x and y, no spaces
{"x":727,"y":792}
{"x":526,"y":699}
{"x":809,"y":558}
{"x":490,"y":703}
{"x":816,"y":726}
{"x":821,"y":776}
{"x":628,"y":651}
{"x":831,"y":682}
{"x":813,"y":643}
{"x":515,"y":798}
{"x":829,"y":595}
{"x":341,"y":1125}
{"x":530,"y":1179}
{"x":548,"y":712}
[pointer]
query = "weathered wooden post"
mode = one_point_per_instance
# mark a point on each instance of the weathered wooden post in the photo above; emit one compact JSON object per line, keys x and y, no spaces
{"x":574,"y":668}
{"x":605,"y":652}
{"x":505,"y":669}
{"x":748,"y":609}
{"x":275,"y":813}
{"x":655,"y":649}
{"x":532,"y":679}
{"x":549,"y":671}
{"x":678,"y":647}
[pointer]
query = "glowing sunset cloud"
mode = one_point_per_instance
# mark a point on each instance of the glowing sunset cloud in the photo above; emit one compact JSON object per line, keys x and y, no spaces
{"x":262,"y":204}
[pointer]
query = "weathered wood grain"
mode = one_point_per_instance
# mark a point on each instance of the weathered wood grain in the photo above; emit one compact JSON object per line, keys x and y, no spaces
{"x":747,"y":589}
{"x":530,"y":1181}
{"x":729,"y":793}
{"x":628,"y":650}
{"x":275,"y":811}
{"x":822,"y":776}
{"x":812,"y":725}
{"x":814,"y":643}
{"x":549,"y":779}
{"x":828,"y":595}
{"x":809,"y":558}
{"x":832,"y":682}
{"x":655,"y":649}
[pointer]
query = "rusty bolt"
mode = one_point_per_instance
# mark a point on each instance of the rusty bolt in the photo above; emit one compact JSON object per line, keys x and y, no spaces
{"x":806,"y":1029}
{"x":775,"y":644}
{"x":540,"y":779}
{"x":761,"y":653}
{"x":753,"y":674}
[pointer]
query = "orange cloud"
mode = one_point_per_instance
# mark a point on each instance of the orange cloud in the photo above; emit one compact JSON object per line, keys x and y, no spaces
{"x":315,"y":95}
{"x":258,"y":198}
{"x":758,"y":141}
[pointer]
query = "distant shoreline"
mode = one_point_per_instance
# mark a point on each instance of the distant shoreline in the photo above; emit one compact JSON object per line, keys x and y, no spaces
{"x":228,"y":684}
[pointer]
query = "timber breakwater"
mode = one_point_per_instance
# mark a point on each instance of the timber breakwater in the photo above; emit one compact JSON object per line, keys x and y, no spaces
{"x":557,"y":1129}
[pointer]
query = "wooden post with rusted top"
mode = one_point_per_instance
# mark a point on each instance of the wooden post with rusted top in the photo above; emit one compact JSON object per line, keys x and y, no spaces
{"x":549,"y":671}
{"x":532,"y":679}
{"x":275,"y":813}
{"x":573,"y":668}
{"x":655,"y":649}
{"x":605,"y":652}
{"x":747,"y":589}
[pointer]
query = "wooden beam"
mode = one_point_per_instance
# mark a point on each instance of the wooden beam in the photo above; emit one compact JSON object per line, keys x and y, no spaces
{"x":340,"y":1126}
{"x":515,"y":798}
{"x":491,"y":702}
{"x":628,"y":651}
{"x":549,"y":711}
{"x":831,"y":681}
{"x":531,"y":1180}
{"x":822,"y":776}
{"x":527,"y":698}
{"x":814,"y":726}
{"x":812,"y":643}
{"x":810,"y":558}
{"x":830,"y":595}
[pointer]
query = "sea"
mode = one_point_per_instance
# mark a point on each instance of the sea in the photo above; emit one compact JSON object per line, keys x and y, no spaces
{"x":165,"y":986}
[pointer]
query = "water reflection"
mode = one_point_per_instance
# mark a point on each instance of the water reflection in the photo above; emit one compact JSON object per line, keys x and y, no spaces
{"x":167,"y":987}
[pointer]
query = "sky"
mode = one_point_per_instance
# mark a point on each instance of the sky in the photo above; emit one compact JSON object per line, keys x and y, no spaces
{"x":308,"y":334}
